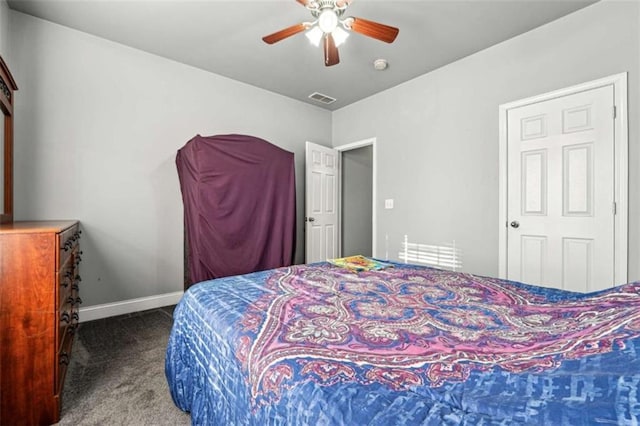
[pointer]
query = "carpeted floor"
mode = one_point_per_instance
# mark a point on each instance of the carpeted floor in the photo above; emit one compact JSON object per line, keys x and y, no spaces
{"x":116,"y":375}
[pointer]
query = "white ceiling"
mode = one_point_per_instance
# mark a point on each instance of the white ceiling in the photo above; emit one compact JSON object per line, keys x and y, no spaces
{"x":225,"y":37}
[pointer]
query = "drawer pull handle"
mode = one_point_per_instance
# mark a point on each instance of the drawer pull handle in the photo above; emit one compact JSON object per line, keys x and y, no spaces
{"x":75,"y":287}
{"x":74,"y":302}
{"x":67,"y":278}
{"x":71,"y":330}
{"x":75,"y":316}
{"x":67,"y":245}
{"x":65,"y":317}
{"x":64,"y":358}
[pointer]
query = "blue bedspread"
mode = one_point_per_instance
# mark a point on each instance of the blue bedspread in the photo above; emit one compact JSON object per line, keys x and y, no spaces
{"x":320,"y":345}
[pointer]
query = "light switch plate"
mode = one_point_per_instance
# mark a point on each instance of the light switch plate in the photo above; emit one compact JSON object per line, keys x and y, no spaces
{"x":388,"y":203}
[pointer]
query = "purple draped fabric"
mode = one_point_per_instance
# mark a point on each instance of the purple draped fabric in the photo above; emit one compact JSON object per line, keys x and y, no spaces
{"x":239,"y":204}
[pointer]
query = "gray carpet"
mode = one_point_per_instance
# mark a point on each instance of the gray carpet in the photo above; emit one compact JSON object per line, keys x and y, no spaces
{"x":116,"y":375}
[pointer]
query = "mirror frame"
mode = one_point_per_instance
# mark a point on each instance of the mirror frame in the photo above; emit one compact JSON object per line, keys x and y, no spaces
{"x":7,"y":87}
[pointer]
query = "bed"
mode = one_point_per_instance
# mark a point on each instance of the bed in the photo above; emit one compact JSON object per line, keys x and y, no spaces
{"x":321,"y":344}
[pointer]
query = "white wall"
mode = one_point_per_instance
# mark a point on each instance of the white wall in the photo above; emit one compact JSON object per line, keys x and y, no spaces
{"x":438,"y":134}
{"x":4,"y":31}
{"x":97,"y":128}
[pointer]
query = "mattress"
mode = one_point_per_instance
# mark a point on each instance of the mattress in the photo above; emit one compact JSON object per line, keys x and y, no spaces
{"x":321,"y":344}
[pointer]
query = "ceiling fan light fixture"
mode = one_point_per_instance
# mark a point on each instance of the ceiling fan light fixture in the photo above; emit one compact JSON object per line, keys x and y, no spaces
{"x":328,"y":21}
{"x":314,"y":35}
{"x":339,"y":36}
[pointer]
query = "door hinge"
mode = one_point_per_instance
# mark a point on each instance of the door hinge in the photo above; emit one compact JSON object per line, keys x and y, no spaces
{"x":615,"y":208}
{"x":615,"y":112}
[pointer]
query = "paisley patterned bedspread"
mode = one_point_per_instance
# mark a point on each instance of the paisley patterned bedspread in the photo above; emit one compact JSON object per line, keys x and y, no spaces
{"x":320,"y":345}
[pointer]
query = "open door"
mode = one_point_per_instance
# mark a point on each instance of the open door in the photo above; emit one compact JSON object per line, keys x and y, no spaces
{"x":321,"y":203}
{"x":355,"y":210}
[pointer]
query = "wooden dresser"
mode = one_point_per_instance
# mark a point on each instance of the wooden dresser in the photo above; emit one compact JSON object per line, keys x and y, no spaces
{"x":38,"y":317}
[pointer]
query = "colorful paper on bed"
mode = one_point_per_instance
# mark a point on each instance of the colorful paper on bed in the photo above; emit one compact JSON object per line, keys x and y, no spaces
{"x":359,"y":263}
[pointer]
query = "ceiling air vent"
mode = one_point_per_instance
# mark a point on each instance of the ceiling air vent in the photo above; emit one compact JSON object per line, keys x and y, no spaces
{"x":322,"y":98}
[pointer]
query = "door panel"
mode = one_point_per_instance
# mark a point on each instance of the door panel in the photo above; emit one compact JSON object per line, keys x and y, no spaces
{"x":533,"y":263}
{"x":316,"y":193}
{"x":578,"y":263}
{"x":331,"y":196}
{"x":331,"y":244}
{"x":534,"y":183}
{"x":578,"y":180}
{"x":560,"y":188}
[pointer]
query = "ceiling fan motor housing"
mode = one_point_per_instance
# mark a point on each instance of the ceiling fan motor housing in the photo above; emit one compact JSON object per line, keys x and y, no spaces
{"x":319,"y":6}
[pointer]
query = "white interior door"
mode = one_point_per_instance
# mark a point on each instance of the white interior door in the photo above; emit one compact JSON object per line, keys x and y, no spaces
{"x":321,"y":203}
{"x":561,"y":191}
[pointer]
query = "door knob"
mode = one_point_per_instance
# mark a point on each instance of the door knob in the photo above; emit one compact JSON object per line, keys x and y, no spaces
{"x":515,"y":224}
{"x":311,"y":219}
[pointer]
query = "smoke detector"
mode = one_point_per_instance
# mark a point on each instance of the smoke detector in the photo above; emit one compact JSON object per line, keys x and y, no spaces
{"x":380,"y":64}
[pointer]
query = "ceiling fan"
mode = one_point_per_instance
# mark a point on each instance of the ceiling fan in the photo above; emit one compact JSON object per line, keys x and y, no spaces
{"x":329,"y":27}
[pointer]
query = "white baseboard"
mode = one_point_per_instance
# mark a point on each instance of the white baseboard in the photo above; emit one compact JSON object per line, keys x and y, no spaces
{"x":107,"y":310}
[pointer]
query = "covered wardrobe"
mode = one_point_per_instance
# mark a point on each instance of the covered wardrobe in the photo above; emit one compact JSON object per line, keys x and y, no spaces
{"x":239,"y":205}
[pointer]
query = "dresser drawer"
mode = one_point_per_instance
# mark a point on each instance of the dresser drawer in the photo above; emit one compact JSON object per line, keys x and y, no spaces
{"x":68,"y":298}
{"x":63,"y":359}
{"x":67,"y":243}
{"x":66,"y":278}
{"x":68,"y":317}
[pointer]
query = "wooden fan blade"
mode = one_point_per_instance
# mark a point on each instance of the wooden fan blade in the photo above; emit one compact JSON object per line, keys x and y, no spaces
{"x":374,"y":29}
{"x":331,"y":56}
{"x":282,"y":34}
{"x":303,"y":2}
